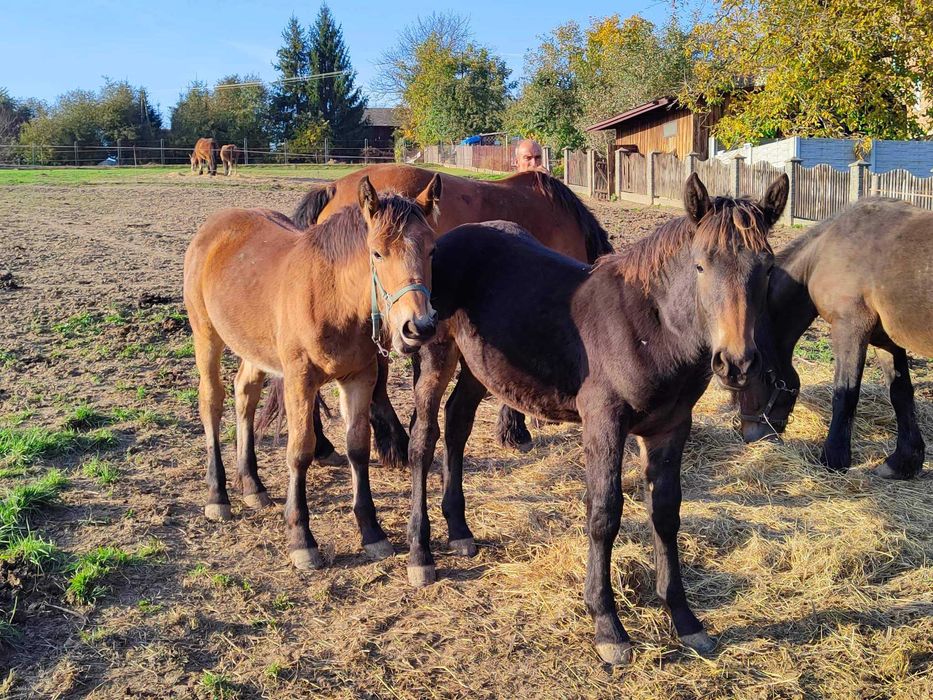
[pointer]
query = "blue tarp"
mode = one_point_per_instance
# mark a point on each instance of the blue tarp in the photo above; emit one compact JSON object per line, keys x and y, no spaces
{"x":472,"y":140}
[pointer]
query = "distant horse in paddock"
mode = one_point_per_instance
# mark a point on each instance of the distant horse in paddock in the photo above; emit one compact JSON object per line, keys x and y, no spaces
{"x":536,"y":201}
{"x":229,"y":155}
{"x":299,"y":304}
{"x":205,"y":152}
{"x":626,"y":347}
{"x":868,"y":271}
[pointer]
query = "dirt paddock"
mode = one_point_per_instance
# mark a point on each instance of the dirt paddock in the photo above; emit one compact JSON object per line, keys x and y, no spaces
{"x":817,"y":585}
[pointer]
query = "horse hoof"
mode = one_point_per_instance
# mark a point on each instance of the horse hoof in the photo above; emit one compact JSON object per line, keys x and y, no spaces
{"x":700,"y":642}
{"x":218,"y":511}
{"x":377,"y":551}
{"x":306,"y":559}
{"x":257,"y":500}
{"x":334,"y":459}
{"x":464,"y":548}
{"x":524,"y":447}
{"x":421,"y":576}
{"x":615,"y":654}
{"x":885,"y":471}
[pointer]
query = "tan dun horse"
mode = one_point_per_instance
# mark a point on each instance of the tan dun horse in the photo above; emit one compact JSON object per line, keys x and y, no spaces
{"x":229,"y":155}
{"x":205,"y":152}
{"x":298,"y":305}
{"x":537,"y":202}
{"x":868,"y":272}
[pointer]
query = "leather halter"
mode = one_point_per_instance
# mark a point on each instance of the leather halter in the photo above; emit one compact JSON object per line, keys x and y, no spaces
{"x":389,"y":300}
{"x":777,"y":387}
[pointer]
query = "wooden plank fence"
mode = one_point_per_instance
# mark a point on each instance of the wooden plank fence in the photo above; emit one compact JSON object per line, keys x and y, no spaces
{"x":670,"y":174}
{"x":903,"y":185}
{"x":715,"y":175}
{"x":576,"y":165}
{"x":633,"y":173}
{"x":819,"y":191}
{"x":754,"y":180}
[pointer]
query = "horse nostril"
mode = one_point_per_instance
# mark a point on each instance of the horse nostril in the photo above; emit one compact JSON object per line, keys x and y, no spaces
{"x":720,"y":366}
{"x":410,"y":330}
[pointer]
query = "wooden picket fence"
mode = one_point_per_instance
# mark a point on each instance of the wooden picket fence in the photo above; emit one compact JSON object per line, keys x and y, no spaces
{"x":901,"y":184}
{"x":816,"y":192}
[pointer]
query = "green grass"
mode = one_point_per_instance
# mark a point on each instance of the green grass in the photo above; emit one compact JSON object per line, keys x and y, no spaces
{"x":88,"y":571}
{"x":86,"y":417}
{"x":81,"y":324}
{"x":102,"y":471}
{"x":7,"y":358}
{"x":9,"y":633}
{"x":16,"y":541}
{"x":814,"y":348}
{"x":188,"y":396}
{"x":21,"y":447}
{"x":186,"y":349}
{"x":218,"y":685}
{"x":181,"y":175}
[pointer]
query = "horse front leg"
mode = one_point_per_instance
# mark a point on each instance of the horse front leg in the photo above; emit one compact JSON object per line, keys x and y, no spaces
{"x":511,"y":430}
{"x":907,"y":459}
{"x":390,"y":436}
{"x":604,"y":432}
{"x":356,"y":393}
{"x":208,"y":347}
{"x":850,"y":342}
{"x":460,"y":412}
{"x":438,"y":362}
{"x":661,"y":458}
{"x":300,"y":387}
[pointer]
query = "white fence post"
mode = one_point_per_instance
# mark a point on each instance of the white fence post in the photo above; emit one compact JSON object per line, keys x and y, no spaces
{"x":649,"y":176}
{"x":691,"y":161}
{"x":857,"y":188}
{"x":546,"y":159}
{"x":245,"y":152}
{"x":566,"y":166}
{"x":787,"y":217}
{"x":617,"y":179}
{"x":590,"y":171}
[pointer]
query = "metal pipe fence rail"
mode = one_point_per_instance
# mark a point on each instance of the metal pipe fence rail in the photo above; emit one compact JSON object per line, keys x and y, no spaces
{"x":815,"y":193}
{"x":136,"y":154}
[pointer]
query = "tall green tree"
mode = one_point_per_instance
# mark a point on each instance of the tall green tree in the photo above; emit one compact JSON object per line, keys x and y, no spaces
{"x":816,"y":68}
{"x":291,"y":99}
{"x":335,"y":101}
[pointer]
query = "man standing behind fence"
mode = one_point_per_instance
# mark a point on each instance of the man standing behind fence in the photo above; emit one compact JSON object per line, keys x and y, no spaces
{"x":529,"y":156}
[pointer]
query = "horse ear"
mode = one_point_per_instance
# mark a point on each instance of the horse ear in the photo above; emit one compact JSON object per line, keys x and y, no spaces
{"x":696,"y":198}
{"x":430,"y":196}
{"x":369,"y":200}
{"x":775,"y":199}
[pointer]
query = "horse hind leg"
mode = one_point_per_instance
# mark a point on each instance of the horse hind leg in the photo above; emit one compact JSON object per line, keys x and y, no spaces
{"x":248,"y":388}
{"x":356,"y":393}
{"x":511,"y":430}
{"x":907,"y":459}
{"x":208,"y":347}
{"x":390,"y":436}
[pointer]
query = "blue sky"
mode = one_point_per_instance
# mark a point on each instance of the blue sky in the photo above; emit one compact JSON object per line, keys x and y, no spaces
{"x":53,"y":46}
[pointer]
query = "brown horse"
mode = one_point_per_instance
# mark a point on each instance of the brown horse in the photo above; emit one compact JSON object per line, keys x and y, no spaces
{"x":229,"y":155}
{"x":867,"y":271}
{"x":205,"y":151}
{"x":297,"y":304}
{"x":534,"y":200}
{"x":625,"y":348}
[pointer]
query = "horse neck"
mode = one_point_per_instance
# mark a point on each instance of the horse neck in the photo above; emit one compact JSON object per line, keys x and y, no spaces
{"x":682,"y":326}
{"x":790,"y":306}
{"x":344,"y":283}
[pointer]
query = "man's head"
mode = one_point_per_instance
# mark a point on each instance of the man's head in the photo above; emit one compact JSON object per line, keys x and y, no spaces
{"x":528,"y":155}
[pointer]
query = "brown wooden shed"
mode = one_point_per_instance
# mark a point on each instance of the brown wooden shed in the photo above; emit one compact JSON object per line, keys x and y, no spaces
{"x":662,"y":125}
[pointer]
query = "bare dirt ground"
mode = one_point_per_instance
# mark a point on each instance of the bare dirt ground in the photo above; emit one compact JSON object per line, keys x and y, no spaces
{"x":817,"y":585}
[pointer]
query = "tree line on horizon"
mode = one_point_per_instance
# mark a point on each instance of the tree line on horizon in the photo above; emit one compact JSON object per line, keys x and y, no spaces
{"x":778,"y":67}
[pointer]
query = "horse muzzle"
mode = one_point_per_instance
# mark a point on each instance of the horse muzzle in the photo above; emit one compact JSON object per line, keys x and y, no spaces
{"x":733,"y":372}
{"x":416,"y":332}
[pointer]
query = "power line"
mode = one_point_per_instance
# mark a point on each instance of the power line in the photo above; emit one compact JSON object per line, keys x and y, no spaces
{"x":297,"y":79}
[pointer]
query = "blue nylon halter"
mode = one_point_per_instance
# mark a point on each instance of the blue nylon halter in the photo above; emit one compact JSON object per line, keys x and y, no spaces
{"x":389,"y":299}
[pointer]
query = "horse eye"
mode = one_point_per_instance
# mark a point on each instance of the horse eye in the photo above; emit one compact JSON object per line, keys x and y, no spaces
{"x":376,"y":255}
{"x":699,"y":268}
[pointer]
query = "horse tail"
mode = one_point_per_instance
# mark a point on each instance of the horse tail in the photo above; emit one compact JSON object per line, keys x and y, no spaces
{"x":273,"y":410}
{"x":312,"y":204}
{"x":594,"y":235}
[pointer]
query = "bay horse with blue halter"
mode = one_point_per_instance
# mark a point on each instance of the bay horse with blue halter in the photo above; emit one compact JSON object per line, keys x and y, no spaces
{"x":308,"y":306}
{"x":625,"y":347}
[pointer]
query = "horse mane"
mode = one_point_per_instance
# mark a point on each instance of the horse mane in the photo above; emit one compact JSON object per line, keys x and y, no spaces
{"x":343,"y":235}
{"x":594,"y":235}
{"x":312,"y":204}
{"x":730,"y":224}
